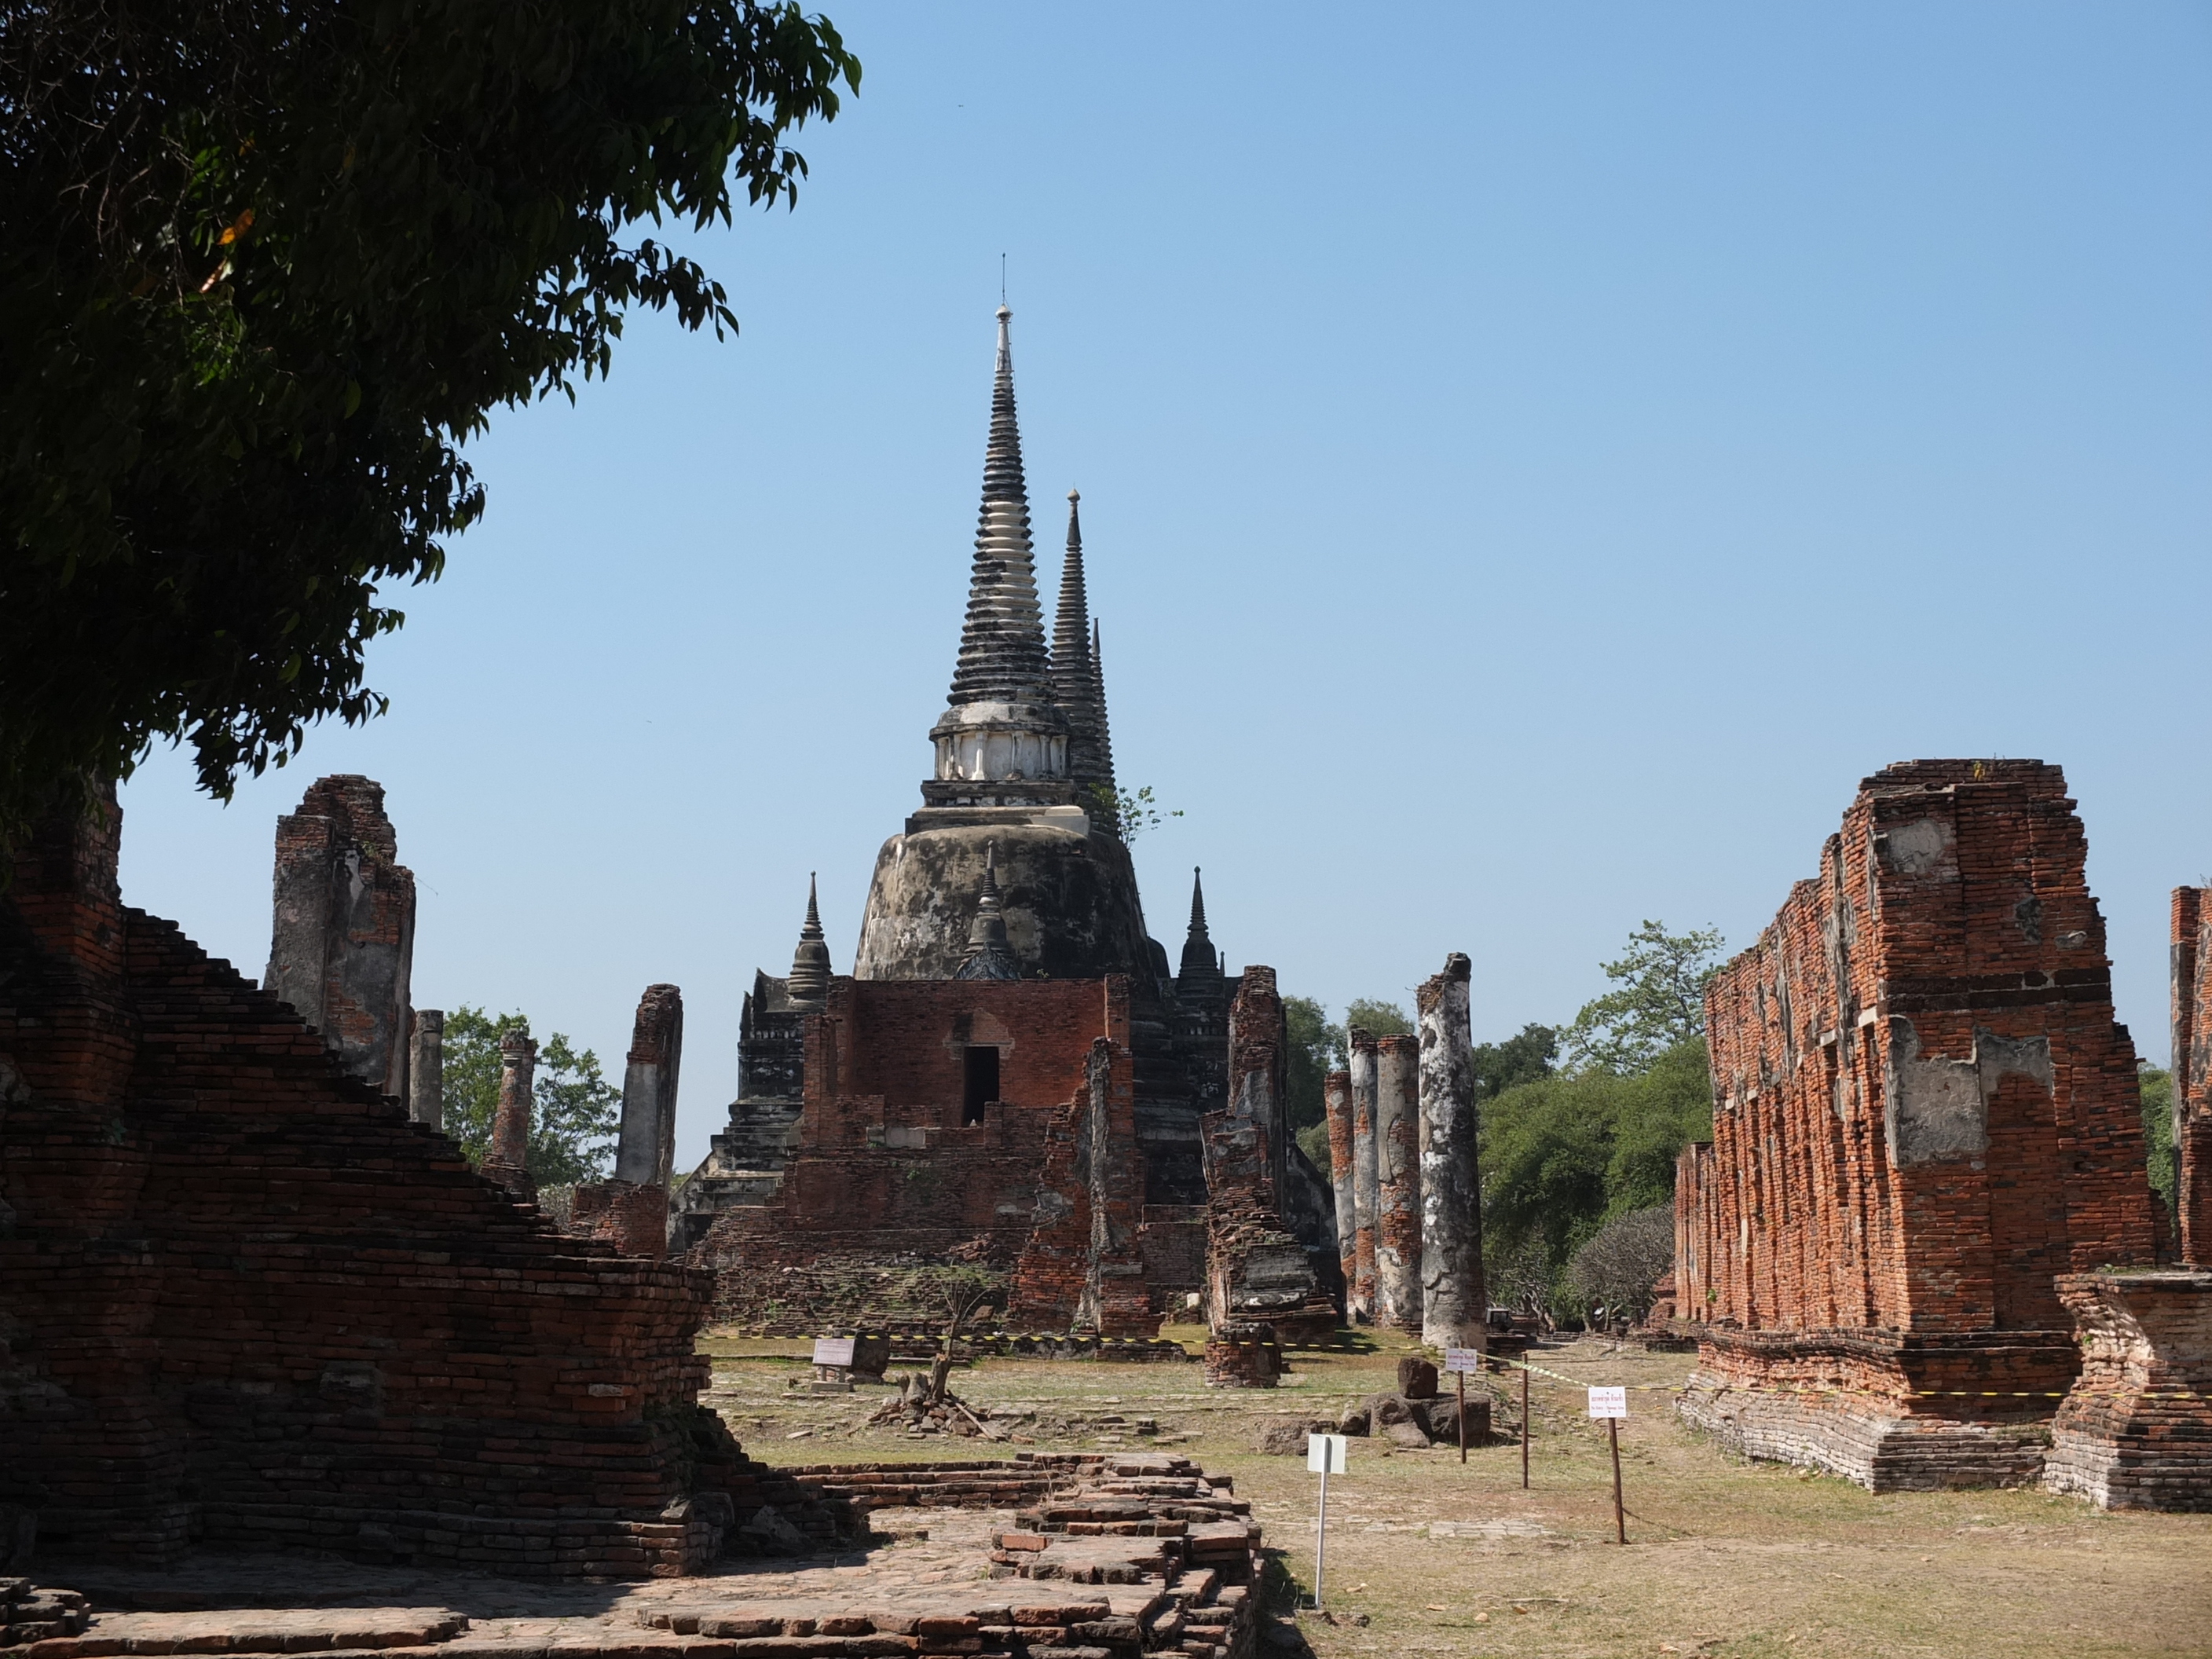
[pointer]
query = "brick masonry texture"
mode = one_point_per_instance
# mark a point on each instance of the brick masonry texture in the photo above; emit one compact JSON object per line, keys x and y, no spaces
{"x":343,"y":942}
{"x":2136,"y":1432}
{"x":1081,"y":1266}
{"x":1924,"y":1114}
{"x":2192,"y":1070}
{"x":252,"y":1305}
{"x":886,"y":1170}
{"x":1257,"y":1268}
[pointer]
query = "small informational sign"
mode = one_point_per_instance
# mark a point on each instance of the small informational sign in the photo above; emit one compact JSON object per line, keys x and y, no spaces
{"x":1609,"y":1402}
{"x":1325,"y":1454}
{"x":1465,"y":1360}
{"x":837,"y":1350}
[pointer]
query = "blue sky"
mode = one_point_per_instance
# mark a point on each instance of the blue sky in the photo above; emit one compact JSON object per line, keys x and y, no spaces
{"x":1534,"y":461}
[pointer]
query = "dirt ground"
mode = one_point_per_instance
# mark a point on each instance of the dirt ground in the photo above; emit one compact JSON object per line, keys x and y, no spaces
{"x":1724,"y":1557}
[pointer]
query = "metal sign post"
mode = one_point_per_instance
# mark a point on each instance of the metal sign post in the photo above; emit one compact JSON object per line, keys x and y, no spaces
{"x":1325,"y":1455}
{"x":1459,"y":1362}
{"x":1612,"y":1405}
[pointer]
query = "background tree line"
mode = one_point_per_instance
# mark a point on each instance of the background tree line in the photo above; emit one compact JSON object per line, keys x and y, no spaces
{"x":1581,"y":1124}
{"x":575,"y":1114}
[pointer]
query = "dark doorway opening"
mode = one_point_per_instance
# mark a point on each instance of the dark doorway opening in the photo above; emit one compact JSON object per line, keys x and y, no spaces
{"x":981,"y":1083}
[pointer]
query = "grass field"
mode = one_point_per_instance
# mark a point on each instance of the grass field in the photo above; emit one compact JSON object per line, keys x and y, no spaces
{"x":1724,"y":1556}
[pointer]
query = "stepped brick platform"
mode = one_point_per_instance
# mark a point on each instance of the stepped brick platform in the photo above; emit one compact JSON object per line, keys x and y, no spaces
{"x":1125,"y":1556}
{"x":252,"y":1305}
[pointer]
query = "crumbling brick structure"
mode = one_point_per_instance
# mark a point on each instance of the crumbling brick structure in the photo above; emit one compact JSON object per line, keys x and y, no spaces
{"x":923,"y":1137}
{"x":631,"y":1211}
{"x":343,"y":946}
{"x":1454,"y":1309}
{"x":1257,"y":1267}
{"x":1360,"y":1294}
{"x":251,"y":1304}
{"x":2191,"y":962}
{"x":1924,"y":1114}
{"x":1081,"y":1267}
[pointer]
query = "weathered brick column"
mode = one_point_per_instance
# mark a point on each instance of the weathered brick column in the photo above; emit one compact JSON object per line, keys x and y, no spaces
{"x":2192,"y":1071}
{"x":426,"y":1067}
{"x":1452,"y":1306}
{"x":1398,"y":1182}
{"x":1360,"y":1292}
{"x":1336,"y":1103}
{"x":647,"y":1147}
{"x":341,"y":945}
{"x":507,"y":1159}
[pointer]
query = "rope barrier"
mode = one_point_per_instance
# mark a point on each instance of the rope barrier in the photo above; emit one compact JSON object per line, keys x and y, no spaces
{"x":1910,"y":1394}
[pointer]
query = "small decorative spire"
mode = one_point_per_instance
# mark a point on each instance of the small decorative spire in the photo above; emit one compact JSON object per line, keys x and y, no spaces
{"x":1198,"y":961}
{"x":808,"y":986}
{"x":989,"y":955}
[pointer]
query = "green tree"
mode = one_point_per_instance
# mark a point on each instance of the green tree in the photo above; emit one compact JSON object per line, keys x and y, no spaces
{"x":2157,"y":1088}
{"x":575,"y":1113}
{"x":1659,"y":1003}
{"x":266,"y":266}
{"x":1306,"y":1065}
{"x":1562,"y":1155}
{"x":1523,"y":1058}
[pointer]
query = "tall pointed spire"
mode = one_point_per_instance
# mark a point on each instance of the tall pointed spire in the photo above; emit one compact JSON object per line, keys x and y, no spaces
{"x":1002,"y":649}
{"x":808,"y":988}
{"x":1075,"y":678}
{"x":1002,"y":740}
{"x":1199,"y":960}
{"x":1104,"y":736}
{"x":989,"y":954}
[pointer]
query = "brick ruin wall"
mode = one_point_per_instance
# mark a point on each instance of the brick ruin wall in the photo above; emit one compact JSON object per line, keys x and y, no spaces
{"x":2191,"y":967}
{"x":251,"y":1304}
{"x":1081,"y":1267}
{"x":887,"y":1177}
{"x":1924,"y":1114}
{"x":1257,"y":1267}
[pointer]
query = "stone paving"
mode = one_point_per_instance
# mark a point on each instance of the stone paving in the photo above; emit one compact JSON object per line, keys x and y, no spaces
{"x":1145,"y":1555}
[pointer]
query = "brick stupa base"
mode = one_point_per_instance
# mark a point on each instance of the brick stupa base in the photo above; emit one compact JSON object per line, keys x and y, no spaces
{"x":2137,"y":1431}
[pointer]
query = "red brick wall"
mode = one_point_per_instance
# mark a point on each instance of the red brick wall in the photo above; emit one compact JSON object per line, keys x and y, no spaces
{"x":1924,"y":1110}
{"x":885,"y":1166}
{"x":253,"y":1304}
{"x":1081,"y":1266}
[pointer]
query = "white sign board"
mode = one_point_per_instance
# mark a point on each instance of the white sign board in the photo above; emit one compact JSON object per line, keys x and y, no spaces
{"x":1609,"y":1402}
{"x":1462,"y":1359}
{"x":833,"y":1351}
{"x":1325,"y":1454}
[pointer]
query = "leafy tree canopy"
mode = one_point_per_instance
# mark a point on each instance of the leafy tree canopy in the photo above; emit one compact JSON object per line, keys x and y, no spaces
{"x":575,"y":1113}
{"x":1307,"y":1066}
{"x":2157,"y":1088}
{"x":267,"y":263}
{"x":1562,"y":1155}
{"x":1523,"y":1058}
{"x":1659,"y":1002}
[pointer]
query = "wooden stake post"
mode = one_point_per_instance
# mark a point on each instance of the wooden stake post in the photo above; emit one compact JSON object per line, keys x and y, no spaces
{"x":1524,"y":1428}
{"x":1612,"y":1405}
{"x":1458,"y":1362}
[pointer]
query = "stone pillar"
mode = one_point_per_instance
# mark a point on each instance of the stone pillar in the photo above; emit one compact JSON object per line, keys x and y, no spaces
{"x":507,"y":1159}
{"x":1453,"y":1307}
{"x":342,"y":946}
{"x":1398,"y":1182}
{"x":647,"y":1147}
{"x":426,"y":1068}
{"x":1336,"y":1101}
{"x":2193,"y":1071}
{"x":1361,"y":1292}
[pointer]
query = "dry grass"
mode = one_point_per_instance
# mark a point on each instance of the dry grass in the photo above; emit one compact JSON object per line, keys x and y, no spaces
{"x":1724,"y":1556}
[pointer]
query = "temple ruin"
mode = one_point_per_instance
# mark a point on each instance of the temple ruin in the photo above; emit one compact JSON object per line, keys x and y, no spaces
{"x":1920,"y":1249}
{"x":1012,"y":1060}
